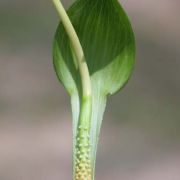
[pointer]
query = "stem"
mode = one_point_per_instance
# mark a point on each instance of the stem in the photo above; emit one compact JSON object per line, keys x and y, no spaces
{"x":83,"y":166}
{"x":84,"y":72}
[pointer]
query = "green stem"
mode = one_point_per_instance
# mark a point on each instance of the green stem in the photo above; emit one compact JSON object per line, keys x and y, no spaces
{"x":82,"y":165}
{"x":76,"y":45}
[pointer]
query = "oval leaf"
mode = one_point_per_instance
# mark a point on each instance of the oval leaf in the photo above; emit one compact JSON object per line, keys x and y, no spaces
{"x":108,"y":43}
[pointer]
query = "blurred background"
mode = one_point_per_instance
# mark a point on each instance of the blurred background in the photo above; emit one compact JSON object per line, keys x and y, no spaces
{"x":140,"y":137}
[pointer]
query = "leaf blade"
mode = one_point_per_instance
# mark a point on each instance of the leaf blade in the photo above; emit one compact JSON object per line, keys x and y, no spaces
{"x":108,"y":43}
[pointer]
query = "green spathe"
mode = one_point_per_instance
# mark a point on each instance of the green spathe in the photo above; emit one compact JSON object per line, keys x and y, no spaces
{"x":108,"y":43}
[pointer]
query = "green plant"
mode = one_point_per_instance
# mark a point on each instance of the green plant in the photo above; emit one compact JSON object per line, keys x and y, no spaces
{"x":94,"y":52}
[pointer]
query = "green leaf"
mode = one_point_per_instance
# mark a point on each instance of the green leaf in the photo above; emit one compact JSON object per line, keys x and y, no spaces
{"x":108,"y":43}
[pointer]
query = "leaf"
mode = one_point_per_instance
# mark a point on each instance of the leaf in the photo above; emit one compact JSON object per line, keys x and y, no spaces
{"x":108,"y":43}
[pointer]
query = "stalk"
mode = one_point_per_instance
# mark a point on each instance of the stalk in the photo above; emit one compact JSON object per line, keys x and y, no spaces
{"x":83,"y":169}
